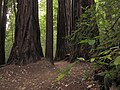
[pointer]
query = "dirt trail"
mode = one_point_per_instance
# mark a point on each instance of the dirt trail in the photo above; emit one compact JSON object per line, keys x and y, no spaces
{"x":42,"y":76}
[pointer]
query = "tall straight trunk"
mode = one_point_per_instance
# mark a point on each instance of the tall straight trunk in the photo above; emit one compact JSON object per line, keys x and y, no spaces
{"x":27,"y":45}
{"x":49,"y":31}
{"x":68,"y":24}
{"x":63,"y":28}
{"x":60,"y":47}
{"x":3,"y":19}
{"x":76,"y":12}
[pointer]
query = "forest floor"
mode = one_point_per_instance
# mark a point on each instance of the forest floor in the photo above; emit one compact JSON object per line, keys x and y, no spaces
{"x":44,"y":76}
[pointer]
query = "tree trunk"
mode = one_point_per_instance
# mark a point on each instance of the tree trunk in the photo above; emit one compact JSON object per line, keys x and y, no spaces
{"x":76,"y":12}
{"x":60,"y":46}
{"x":63,"y":25}
{"x":3,"y":19}
{"x":27,"y":46}
{"x":49,"y":31}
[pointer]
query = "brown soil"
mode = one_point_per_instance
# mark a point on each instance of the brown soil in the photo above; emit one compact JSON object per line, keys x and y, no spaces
{"x":42,"y":76}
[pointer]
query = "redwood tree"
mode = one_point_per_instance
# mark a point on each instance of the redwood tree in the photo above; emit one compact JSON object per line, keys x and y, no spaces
{"x":3,"y":19}
{"x":49,"y":31}
{"x":27,"y":45}
{"x":62,"y":29}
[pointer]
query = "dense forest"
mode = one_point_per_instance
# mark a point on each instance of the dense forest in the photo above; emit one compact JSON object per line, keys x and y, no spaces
{"x":75,"y":31}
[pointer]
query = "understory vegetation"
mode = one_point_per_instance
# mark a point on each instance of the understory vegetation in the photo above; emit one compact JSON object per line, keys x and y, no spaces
{"x":98,"y":28}
{"x":105,"y":48}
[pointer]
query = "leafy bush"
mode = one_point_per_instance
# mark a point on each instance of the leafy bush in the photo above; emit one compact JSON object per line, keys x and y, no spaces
{"x":107,"y":63}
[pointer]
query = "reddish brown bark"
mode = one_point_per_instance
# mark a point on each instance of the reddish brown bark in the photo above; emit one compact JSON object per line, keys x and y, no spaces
{"x":49,"y":31}
{"x":27,"y":46}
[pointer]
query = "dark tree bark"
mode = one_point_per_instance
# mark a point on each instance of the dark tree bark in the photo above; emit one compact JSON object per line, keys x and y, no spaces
{"x":76,"y":12}
{"x":49,"y":31}
{"x":27,"y":46}
{"x":62,"y":29}
{"x":3,"y":19}
{"x":60,"y":46}
{"x":84,"y":49}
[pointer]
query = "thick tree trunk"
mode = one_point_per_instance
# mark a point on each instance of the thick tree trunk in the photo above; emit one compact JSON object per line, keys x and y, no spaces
{"x":3,"y":19}
{"x":60,"y":47}
{"x":61,"y":25}
{"x":64,"y":26}
{"x":27,"y":46}
{"x":49,"y":31}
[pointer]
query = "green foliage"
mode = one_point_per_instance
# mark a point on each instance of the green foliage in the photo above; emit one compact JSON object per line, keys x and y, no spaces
{"x":105,"y":17}
{"x":107,"y":57}
{"x":64,"y":71}
{"x":86,"y":32}
{"x":85,"y":28}
{"x":108,"y":14}
{"x":92,"y":60}
{"x":117,"y":61}
{"x":109,"y":62}
{"x":9,"y":29}
{"x":90,"y":42}
{"x":80,"y":59}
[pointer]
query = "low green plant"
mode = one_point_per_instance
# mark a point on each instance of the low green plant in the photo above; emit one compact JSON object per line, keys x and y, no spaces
{"x":108,"y":62}
{"x":64,"y":71}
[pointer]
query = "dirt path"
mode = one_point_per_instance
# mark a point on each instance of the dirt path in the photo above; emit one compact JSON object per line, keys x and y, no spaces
{"x":43,"y":76}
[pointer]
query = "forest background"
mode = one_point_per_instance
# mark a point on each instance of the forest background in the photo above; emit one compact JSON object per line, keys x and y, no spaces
{"x":94,"y":34}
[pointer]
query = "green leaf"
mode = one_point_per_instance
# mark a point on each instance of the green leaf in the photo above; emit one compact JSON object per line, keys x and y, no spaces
{"x":116,"y":47}
{"x":103,"y":73}
{"x":97,"y":37}
{"x":91,"y":42}
{"x":117,"y":61}
{"x":84,"y":41}
{"x":60,"y":76}
{"x":107,"y":57}
{"x":103,"y":63}
{"x":81,"y":59}
{"x":92,"y":59}
{"x":105,"y":52}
